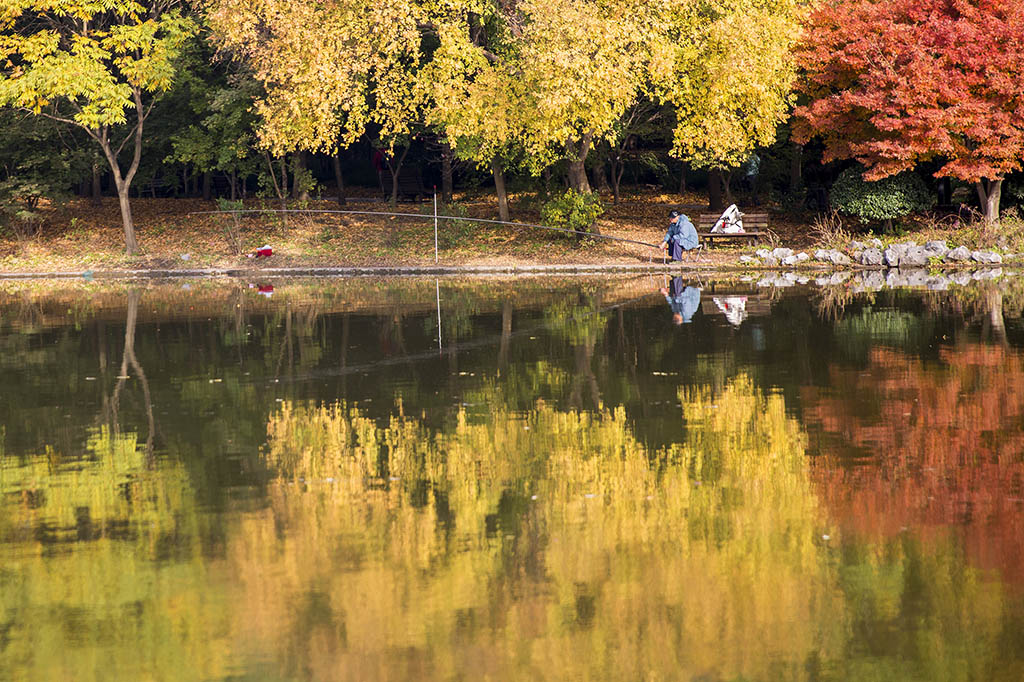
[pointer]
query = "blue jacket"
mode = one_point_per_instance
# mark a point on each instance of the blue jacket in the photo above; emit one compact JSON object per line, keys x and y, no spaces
{"x":683,"y":231}
{"x":685,"y":303}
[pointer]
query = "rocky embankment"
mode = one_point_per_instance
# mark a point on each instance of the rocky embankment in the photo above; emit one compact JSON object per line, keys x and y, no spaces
{"x":874,"y":254}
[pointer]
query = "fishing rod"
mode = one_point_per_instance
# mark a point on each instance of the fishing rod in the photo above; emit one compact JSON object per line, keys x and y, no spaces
{"x":426,"y":217}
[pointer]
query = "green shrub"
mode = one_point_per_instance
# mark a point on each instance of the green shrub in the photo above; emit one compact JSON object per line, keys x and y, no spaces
{"x":19,"y":205}
{"x":573,"y":211}
{"x":886,"y":199}
{"x":794,"y":201}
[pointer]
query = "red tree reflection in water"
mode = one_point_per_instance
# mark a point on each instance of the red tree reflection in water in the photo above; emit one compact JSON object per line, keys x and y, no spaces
{"x":928,"y":446}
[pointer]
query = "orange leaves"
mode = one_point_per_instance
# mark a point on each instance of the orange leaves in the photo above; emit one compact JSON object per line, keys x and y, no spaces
{"x":895,"y":83}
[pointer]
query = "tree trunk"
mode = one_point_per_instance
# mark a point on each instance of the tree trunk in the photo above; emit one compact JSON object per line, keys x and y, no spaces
{"x":338,"y":179}
{"x":945,"y":191}
{"x":283,"y":192}
{"x":499,"y":186}
{"x":578,"y":177}
{"x":300,"y":175}
{"x":996,"y":322}
{"x":506,"y":335}
{"x":130,"y":243}
{"x":601,"y":178}
{"x":97,"y":188}
{"x":616,"y":173}
{"x":447,"y":186}
{"x":578,"y":165}
{"x":396,"y":168}
{"x":233,"y":182}
{"x":715,"y":190}
{"x":682,"y":177}
{"x":989,"y":193}
{"x":124,"y":182}
{"x":796,"y":164}
{"x":207,"y":185}
{"x":130,"y":359}
{"x":578,"y":181}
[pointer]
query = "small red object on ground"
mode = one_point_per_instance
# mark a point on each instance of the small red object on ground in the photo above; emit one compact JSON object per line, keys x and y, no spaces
{"x":262,"y":252}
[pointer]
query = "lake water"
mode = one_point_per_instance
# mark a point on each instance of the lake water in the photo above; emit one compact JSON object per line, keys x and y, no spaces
{"x":576,"y":479}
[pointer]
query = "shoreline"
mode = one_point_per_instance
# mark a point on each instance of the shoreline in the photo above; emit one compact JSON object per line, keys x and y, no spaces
{"x":482,"y":270}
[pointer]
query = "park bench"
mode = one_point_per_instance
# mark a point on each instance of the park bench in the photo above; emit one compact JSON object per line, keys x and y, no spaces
{"x":754,"y":224}
{"x":410,"y":182}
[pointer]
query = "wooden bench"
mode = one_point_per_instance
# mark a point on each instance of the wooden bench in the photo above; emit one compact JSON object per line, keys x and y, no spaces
{"x":410,"y":183}
{"x":754,"y":224}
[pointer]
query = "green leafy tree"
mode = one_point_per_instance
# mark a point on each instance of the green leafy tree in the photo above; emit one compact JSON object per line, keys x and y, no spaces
{"x":221,"y":133}
{"x":99,"y":66}
{"x":37,"y":165}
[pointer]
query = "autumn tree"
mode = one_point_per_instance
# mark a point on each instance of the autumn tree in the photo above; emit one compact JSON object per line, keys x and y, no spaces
{"x":896,"y":83}
{"x":330,"y":70}
{"x":579,"y":66}
{"x":727,"y":69}
{"x":544,"y":81}
{"x":99,"y":66}
{"x":473,"y":99}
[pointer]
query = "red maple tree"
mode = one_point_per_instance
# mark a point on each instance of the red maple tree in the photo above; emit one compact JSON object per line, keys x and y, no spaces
{"x":895,"y":82}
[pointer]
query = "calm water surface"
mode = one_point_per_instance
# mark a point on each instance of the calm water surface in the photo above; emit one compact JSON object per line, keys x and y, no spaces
{"x":292,"y":481}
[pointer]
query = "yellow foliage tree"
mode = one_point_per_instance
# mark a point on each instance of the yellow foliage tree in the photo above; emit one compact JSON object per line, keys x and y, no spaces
{"x":547,"y":78}
{"x":329,"y":69}
{"x":89,"y":64}
{"x":554,"y":78}
{"x":728,"y":70}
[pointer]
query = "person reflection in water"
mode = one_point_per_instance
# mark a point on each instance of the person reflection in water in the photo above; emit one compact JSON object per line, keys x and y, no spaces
{"x":683,"y":301}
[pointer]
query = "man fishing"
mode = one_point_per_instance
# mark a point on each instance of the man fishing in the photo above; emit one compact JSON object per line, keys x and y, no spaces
{"x":681,"y":236}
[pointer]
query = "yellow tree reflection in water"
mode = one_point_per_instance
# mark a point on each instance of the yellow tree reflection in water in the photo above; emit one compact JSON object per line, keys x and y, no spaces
{"x":107,"y":580}
{"x":548,"y":545}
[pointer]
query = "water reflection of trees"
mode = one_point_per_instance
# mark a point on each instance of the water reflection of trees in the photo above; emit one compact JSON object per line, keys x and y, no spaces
{"x":103,"y":572}
{"x":536,"y":544}
{"x":130,"y":360}
{"x":401,"y":539}
{"x":425,"y":549}
{"x":907,"y":442}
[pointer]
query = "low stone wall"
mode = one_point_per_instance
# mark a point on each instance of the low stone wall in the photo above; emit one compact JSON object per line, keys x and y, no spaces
{"x":874,"y":254}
